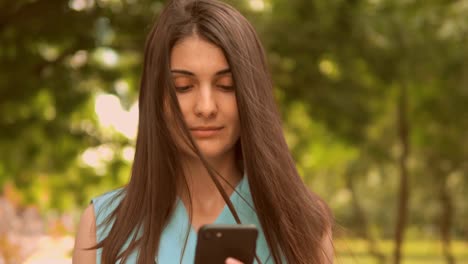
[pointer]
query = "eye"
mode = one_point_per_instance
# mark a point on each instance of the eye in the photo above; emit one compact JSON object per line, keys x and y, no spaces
{"x":226,"y":87}
{"x":183,"y":89}
{"x":182,"y":83}
{"x":225,"y":83}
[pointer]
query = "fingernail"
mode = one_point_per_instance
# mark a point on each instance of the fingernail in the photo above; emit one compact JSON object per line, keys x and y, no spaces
{"x":230,"y":261}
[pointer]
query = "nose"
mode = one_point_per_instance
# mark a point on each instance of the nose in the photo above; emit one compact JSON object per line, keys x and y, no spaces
{"x":206,"y":105}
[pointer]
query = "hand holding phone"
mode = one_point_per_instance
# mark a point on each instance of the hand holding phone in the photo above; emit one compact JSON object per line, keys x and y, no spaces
{"x":217,"y":243}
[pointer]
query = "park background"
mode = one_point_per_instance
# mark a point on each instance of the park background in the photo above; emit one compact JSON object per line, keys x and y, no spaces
{"x":373,"y":94}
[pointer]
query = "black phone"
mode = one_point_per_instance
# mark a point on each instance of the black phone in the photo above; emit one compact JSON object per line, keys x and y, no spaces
{"x":217,"y":242}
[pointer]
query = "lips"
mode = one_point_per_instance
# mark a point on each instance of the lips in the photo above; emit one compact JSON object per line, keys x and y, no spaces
{"x":205,"y":131}
{"x":207,"y":128}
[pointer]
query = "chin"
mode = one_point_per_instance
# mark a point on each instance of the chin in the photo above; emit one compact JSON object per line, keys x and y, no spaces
{"x":212,"y":154}
{"x":213,"y":151}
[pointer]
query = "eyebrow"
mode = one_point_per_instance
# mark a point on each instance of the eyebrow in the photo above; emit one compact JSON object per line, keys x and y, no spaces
{"x":184,"y":72}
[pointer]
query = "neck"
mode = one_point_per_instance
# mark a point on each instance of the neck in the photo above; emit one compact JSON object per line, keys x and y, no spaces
{"x":202,"y":189}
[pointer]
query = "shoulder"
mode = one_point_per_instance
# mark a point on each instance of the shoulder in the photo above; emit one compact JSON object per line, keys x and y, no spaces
{"x":87,"y":220}
{"x":90,"y":231}
{"x":85,"y":237}
{"x":109,"y":197}
{"x":106,"y":203}
{"x":103,"y":207}
{"x":328,"y":249}
{"x":327,"y":246}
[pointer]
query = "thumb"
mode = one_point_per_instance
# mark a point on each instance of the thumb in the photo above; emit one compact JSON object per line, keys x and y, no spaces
{"x":232,"y":261}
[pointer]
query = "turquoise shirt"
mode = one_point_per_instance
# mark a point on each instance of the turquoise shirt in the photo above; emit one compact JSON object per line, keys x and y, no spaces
{"x":174,"y":234}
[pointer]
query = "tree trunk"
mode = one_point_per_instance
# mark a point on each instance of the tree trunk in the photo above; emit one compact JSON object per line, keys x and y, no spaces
{"x":364,"y":223}
{"x":403,"y":131}
{"x":446,"y":222}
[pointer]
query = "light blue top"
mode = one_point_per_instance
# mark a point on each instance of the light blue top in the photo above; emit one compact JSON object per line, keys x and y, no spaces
{"x":173,"y":236}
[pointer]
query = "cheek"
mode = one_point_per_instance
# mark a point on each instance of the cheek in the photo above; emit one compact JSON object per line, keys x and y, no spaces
{"x":185,"y":104}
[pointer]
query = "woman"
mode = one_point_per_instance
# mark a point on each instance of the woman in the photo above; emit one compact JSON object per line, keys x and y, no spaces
{"x":210,"y":149}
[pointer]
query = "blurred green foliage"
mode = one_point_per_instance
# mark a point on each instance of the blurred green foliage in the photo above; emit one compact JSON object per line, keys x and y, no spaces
{"x":348,"y":74}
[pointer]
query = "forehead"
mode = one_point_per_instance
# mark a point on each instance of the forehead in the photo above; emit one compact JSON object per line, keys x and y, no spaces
{"x":198,"y":56}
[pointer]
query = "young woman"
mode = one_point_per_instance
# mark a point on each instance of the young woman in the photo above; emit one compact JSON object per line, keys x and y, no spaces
{"x":210,"y":149}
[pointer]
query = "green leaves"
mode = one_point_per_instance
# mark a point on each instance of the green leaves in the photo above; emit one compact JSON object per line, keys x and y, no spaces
{"x":338,"y":67}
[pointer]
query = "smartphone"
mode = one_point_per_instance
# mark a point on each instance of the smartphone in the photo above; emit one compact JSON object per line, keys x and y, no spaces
{"x":218,"y":242}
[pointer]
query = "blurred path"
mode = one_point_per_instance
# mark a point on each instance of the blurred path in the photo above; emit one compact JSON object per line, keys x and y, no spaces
{"x":52,"y":251}
{"x":28,"y":237}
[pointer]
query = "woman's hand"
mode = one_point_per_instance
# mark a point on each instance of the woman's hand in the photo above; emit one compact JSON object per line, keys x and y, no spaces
{"x":232,"y":261}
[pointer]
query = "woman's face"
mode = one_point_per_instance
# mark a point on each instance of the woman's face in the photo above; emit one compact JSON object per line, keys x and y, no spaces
{"x":207,"y":98}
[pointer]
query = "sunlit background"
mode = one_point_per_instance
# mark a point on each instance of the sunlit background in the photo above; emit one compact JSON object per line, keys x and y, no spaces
{"x":373,"y":93}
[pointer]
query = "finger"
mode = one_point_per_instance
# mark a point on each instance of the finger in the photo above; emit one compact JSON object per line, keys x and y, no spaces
{"x":232,"y":261}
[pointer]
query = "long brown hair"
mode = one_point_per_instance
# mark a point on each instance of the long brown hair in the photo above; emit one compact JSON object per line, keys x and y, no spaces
{"x":293,"y":218}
